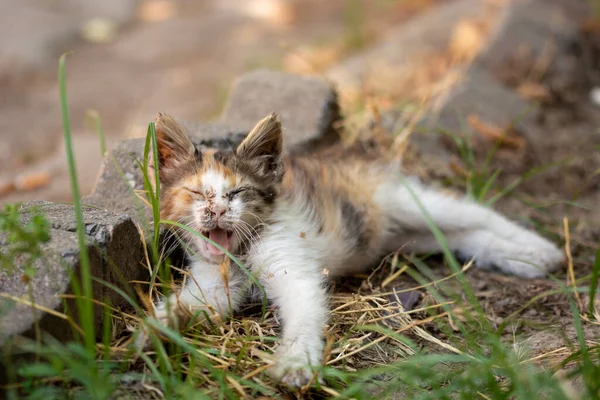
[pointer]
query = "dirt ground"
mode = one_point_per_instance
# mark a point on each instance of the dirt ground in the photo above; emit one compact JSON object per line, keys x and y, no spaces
{"x":559,"y":199}
{"x":127,"y":87}
{"x":563,"y":196}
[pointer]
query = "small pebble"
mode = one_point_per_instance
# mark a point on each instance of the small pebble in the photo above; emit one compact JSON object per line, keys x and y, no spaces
{"x":99,"y":30}
{"x":595,"y":96}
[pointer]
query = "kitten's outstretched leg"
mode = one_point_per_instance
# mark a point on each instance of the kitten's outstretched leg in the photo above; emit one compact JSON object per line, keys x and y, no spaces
{"x":208,"y":291}
{"x":294,"y":283}
{"x":470,"y":229}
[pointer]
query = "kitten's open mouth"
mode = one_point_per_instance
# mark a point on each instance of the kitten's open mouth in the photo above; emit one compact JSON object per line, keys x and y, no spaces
{"x":221,"y":237}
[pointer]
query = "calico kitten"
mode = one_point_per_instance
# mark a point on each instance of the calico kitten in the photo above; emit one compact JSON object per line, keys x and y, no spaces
{"x":290,"y":218}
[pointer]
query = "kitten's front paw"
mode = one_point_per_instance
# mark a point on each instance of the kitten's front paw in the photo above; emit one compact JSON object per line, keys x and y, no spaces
{"x":166,"y":315}
{"x":295,"y":364}
{"x":293,"y":372}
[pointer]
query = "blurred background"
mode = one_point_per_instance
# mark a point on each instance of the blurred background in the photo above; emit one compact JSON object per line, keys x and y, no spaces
{"x":133,"y":58}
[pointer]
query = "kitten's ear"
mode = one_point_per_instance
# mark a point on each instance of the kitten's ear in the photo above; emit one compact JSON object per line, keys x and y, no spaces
{"x":264,"y":142}
{"x":174,"y":147}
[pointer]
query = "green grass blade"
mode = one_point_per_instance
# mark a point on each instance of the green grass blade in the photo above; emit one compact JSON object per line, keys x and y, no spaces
{"x":594,"y":282}
{"x":155,"y":207}
{"x":488,"y":185}
{"x":86,"y":308}
{"x":512,"y":186}
{"x":95,"y":117}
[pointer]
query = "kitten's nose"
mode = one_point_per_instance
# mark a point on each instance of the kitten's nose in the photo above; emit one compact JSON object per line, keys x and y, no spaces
{"x":218,"y":212}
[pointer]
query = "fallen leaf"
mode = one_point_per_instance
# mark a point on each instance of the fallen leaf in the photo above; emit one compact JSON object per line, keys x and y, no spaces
{"x":407,"y":300}
{"x":311,"y":60}
{"x":457,"y":168}
{"x":99,"y":30}
{"x":495,"y":133}
{"x":156,"y":10}
{"x":277,"y":12}
{"x":467,"y":39}
{"x":533,"y":91}
{"x":591,"y":25}
{"x":32,"y":181}
{"x":7,"y":187}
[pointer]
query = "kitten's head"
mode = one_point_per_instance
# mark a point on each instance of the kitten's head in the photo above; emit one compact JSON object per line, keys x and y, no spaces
{"x":224,"y":194}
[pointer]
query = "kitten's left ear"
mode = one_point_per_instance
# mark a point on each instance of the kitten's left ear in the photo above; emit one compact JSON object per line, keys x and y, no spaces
{"x":264,"y":143}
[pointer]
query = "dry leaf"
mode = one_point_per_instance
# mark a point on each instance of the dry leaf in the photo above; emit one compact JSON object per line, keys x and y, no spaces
{"x":33,"y":181}
{"x":495,"y":133}
{"x":311,"y":60}
{"x":467,"y":39}
{"x":99,"y":30}
{"x":156,"y":10}
{"x":457,"y":168}
{"x":591,"y":25}
{"x":277,"y":12}
{"x":7,"y":187}
{"x":533,"y":91}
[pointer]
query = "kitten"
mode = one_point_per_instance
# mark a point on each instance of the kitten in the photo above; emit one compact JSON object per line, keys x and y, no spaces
{"x":290,"y":218}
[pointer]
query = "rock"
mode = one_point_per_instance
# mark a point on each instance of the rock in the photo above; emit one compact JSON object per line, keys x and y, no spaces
{"x":480,"y":94}
{"x":120,"y":175}
{"x":533,"y":29}
{"x":407,"y":299}
{"x":393,"y":65}
{"x":115,"y":251}
{"x":539,"y":41}
{"x":88,"y":159}
{"x":307,"y":107}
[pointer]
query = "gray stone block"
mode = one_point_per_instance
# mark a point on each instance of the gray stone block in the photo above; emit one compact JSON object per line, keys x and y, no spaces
{"x":536,"y":27}
{"x":482,"y":95}
{"x":115,"y":250}
{"x":389,"y":65}
{"x":307,"y":107}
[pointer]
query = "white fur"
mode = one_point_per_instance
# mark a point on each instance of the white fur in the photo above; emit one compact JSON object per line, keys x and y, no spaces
{"x":213,"y":181}
{"x":205,"y":290}
{"x":470,"y":229}
{"x":291,"y":255}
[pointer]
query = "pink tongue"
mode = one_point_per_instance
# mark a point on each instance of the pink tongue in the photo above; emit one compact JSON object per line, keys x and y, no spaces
{"x":219,"y":236}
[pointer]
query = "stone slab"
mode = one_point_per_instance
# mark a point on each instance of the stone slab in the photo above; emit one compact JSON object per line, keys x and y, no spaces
{"x":307,"y":107}
{"x":115,"y":251}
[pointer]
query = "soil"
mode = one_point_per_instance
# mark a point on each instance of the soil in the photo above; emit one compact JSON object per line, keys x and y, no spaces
{"x":569,"y":191}
{"x":563,"y":193}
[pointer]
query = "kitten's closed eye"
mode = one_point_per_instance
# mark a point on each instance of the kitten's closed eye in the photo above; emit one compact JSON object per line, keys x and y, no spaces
{"x":195,"y":192}
{"x":233,"y":193}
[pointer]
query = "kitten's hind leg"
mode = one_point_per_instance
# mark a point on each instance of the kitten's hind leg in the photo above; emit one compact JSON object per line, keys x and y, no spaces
{"x":471,"y":230}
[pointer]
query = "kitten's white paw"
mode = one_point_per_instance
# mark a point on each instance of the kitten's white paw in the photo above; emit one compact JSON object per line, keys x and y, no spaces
{"x":142,"y":341}
{"x":292,"y":373}
{"x":530,"y":262}
{"x":293,"y":370}
{"x":164,"y":315}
